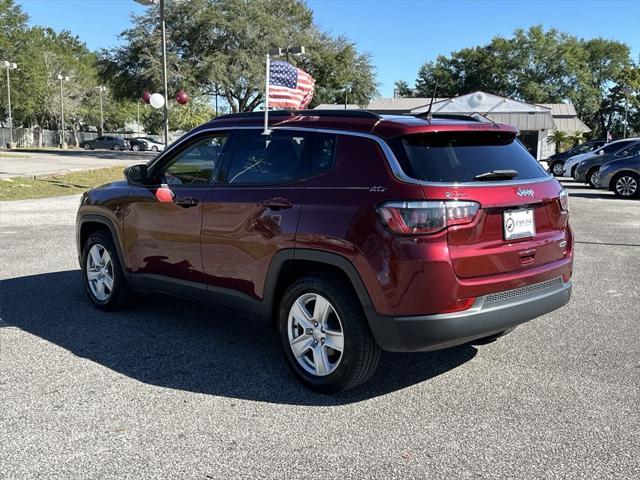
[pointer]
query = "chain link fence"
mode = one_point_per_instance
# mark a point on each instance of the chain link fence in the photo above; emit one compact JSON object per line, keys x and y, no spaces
{"x":41,"y":138}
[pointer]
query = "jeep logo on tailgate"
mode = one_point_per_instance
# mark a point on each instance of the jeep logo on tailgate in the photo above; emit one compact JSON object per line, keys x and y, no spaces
{"x":525,"y":192}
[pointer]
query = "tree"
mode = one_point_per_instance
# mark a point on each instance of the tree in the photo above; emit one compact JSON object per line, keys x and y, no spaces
{"x":402,"y":89}
{"x":558,"y":138}
{"x":222,"y":44}
{"x":576,"y":138}
{"x":544,"y":66}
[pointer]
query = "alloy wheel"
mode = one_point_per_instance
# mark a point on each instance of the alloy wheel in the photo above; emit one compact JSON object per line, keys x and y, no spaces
{"x":316,"y":336}
{"x":99,"y":269}
{"x":593,"y":179}
{"x":558,"y":169}
{"x":626,"y":186}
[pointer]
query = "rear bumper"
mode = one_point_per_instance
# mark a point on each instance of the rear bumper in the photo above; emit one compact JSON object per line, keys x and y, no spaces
{"x":490,"y":314}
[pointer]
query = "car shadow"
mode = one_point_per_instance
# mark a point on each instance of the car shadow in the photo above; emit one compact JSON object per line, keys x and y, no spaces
{"x":176,"y":344}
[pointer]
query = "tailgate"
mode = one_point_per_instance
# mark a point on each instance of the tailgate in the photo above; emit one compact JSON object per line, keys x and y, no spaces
{"x":481,"y":248}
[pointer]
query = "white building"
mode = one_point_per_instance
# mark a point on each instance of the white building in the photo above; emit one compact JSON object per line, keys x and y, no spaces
{"x":535,"y":122}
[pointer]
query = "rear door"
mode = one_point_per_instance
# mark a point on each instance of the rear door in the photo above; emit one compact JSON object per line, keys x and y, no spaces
{"x":163,"y":221}
{"x":254,"y":213}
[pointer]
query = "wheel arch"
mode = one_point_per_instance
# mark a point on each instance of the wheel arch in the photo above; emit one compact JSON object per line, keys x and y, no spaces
{"x":289,"y":265}
{"x":91,"y":223}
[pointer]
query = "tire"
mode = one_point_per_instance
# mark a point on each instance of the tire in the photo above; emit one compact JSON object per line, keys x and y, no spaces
{"x":86,"y":146}
{"x":341,"y":370}
{"x":116,"y":296}
{"x":591,"y":176}
{"x":557,"y":169}
{"x":573,"y":172}
{"x":626,"y":185}
{"x":154,"y":149}
{"x":116,"y":148}
{"x":135,"y":148}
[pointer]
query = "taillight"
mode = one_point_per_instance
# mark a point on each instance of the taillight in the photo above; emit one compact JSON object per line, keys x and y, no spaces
{"x":563,"y":197}
{"x":416,"y":217}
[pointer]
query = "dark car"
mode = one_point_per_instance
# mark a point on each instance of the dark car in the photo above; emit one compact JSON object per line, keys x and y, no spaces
{"x":145,"y":144}
{"x":352,"y":232}
{"x":587,"y":170}
{"x":556,"y":161}
{"x":108,"y":142}
{"x":622,"y":177}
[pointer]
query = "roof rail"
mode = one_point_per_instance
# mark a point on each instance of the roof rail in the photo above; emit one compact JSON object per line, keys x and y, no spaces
{"x":315,"y":113}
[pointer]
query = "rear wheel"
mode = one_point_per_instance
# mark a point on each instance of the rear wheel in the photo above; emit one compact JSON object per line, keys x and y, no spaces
{"x":116,"y":147}
{"x":102,"y":274}
{"x":86,"y":146}
{"x":325,"y":336}
{"x":626,"y":185}
{"x":592,"y":176}
{"x":557,"y":169}
{"x":154,"y":149}
{"x":135,"y":148}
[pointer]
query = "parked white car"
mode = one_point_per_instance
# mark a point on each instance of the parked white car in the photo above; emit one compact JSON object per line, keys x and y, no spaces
{"x":611,"y":147}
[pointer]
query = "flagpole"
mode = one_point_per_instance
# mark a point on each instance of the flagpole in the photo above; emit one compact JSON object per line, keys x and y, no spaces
{"x":266,"y":100}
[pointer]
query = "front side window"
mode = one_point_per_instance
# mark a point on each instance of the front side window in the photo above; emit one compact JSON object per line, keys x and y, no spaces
{"x":195,"y":164}
{"x":457,"y":157}
{"x":267,"y":159}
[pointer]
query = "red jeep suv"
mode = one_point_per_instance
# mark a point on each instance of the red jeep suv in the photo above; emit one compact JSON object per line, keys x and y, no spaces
{"x":353,"y":232}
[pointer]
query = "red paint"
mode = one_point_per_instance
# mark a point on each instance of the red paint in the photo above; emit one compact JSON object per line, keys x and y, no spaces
{"x":230,"y":237}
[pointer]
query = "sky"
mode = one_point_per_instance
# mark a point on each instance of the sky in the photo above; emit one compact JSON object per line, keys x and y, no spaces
{"x":400,"y":35}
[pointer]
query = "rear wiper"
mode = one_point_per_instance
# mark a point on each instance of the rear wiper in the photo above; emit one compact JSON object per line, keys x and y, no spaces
{"x":497,"y":175}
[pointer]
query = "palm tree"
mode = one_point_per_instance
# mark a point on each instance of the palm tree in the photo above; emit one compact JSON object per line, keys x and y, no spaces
{"x":576,"y":138}
{"x":559,"y":138}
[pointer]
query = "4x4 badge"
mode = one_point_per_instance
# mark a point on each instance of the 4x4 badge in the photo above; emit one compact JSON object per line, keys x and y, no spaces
{"x":525,"y":192}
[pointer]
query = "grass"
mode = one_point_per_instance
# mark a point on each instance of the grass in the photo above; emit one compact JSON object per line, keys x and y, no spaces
{"x":23,"y":188}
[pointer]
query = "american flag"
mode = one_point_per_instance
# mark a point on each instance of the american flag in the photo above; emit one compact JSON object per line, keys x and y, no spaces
{"x":289,"y":87}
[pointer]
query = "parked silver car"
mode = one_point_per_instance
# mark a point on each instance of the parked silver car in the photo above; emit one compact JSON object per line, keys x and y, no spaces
{"x":621,"y":176}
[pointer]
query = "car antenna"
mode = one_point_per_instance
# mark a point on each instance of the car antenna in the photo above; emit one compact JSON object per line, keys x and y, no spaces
{"x":433,"y":97}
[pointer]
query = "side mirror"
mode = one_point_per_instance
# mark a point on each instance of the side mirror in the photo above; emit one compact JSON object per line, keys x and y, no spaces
{"x":137,"y":174}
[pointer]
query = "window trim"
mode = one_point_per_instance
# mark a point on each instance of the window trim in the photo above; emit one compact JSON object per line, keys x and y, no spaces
{"x":161,"y":161}
{"x":391,"y":159}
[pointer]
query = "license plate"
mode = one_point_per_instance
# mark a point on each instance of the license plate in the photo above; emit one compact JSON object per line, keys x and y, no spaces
{"x":518,"y":224}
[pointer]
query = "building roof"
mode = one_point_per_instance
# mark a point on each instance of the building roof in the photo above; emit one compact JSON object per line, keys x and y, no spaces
{"x":524,"y":120}
{"x":560,"y":109}
{"x":524,"y":116}
{"x":570,"y":125}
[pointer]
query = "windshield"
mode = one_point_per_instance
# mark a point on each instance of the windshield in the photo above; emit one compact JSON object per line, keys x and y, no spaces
{"x":464,"y":156}
{"x":615,"y":146}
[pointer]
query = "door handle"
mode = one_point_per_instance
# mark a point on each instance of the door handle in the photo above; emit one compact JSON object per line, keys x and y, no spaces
{"x":187,"y":202}
{"x":277,"y":203}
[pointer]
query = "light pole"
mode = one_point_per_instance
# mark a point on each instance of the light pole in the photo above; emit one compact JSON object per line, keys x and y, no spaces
{"x":627,"y":92}
{"x":62,"y":78}
{"x":9,"y":66}
{"x":101,"y":89}
{"x":163,"y":33}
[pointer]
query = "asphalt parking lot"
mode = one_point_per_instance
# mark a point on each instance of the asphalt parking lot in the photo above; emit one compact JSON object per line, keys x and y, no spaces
{"x":168,"y":389}
{"x":46,"y":162}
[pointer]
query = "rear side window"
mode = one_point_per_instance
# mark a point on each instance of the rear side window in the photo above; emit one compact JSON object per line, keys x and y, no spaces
{"x":455,"y":157}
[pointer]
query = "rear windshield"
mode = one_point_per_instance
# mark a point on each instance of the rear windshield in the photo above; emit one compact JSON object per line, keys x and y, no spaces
{"x":461,"y":156}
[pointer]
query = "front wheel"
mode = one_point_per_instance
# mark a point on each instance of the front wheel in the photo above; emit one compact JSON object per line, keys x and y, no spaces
{"x":592,"y":178}
{"x":102,"y":274}
{"x":116,"y":148}
{"x":135,"y":148}
{"x":325,"y":336}
{"x":557,"y":169}
{"x":625,"y":185}
{"x":154,"y":149}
